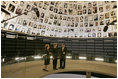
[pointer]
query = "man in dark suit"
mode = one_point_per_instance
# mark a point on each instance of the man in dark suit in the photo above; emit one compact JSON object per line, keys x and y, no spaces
{"x":55,"y":56}
{"x":63,"y":51}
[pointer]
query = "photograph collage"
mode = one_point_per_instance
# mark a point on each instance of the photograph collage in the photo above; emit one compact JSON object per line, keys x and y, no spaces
{"x":60,"y":18}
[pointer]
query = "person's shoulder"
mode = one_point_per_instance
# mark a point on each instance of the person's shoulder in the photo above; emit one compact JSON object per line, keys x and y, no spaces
{"x":60,"y":48}
{"x":66,"y":48}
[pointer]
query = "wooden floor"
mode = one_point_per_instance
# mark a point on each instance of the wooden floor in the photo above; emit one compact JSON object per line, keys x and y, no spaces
{"x":33,"y":69}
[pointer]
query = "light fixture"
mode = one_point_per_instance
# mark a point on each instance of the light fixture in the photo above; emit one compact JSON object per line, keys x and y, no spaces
{"x":84,"y":58}
{"x":99,"y":59}
{"x":112,"y":23}
{"x":37,"y":57}
{"x":3,"y":60}
{"x":20,"y":58}
{"x":68,"y":57}
{"x":51,"y":57}
{"x":33,"y":9}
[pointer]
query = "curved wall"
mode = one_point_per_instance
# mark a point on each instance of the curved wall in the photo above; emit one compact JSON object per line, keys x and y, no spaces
{"x":18,"y":45}
{"x":72,"y":19}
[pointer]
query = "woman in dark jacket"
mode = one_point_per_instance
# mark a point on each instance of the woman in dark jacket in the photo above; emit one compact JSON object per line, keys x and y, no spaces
{"x":47,"y":57}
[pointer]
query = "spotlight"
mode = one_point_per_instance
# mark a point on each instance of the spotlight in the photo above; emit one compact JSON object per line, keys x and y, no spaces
{"x":99,"y":59}
{"x":51,"y":57}
{"x":17,"y":58}
{"x":105,"y":28}
{"x":37,"y":57}
{"x":3,"y":60}
{"x":36,"y":11}
{"x":68,"y":57}
{"x":112,"y":23}
{"x":20,"y":58}
{"x":84,"y":58}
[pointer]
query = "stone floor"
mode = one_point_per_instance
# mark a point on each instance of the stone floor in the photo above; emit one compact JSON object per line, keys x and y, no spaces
{"x":33,"y":69}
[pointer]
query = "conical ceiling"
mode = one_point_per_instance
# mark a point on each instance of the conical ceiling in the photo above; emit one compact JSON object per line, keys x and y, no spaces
{"x":72,"y":19}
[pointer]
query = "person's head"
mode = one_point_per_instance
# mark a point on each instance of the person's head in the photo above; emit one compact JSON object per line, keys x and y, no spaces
{"x":63,"y":45}
{"x":55,"y":45}
{"x":47,"y":46}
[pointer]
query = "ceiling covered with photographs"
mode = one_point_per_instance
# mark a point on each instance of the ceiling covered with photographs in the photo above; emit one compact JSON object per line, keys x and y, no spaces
{"x":73,"y":19}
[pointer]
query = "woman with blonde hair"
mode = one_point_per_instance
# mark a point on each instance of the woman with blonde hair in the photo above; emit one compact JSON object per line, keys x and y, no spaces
{"x":47,"y":57}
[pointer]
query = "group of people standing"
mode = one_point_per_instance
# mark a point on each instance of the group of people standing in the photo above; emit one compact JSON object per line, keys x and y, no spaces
{"x":57,"y":53}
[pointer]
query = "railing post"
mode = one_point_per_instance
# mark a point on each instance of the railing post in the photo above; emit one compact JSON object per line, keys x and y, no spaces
{"x":88,"y":74}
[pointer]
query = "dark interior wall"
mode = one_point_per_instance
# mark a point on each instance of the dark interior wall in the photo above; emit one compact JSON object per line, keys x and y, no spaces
{"x":90,"y":47}
{"x":20,"y":47}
